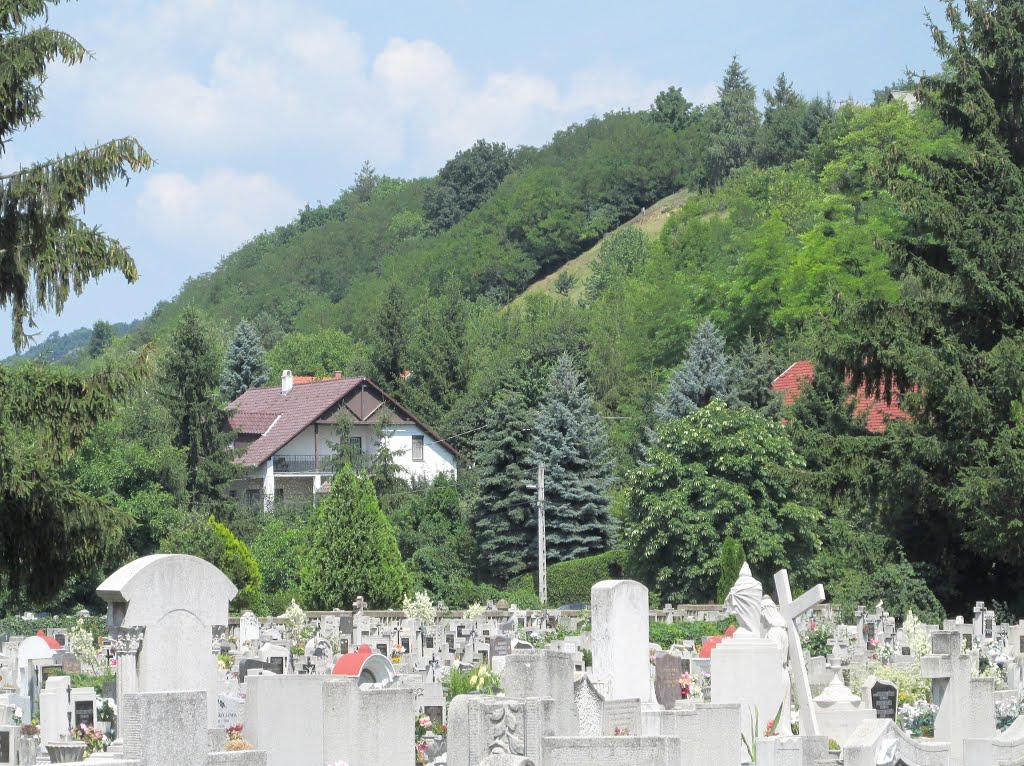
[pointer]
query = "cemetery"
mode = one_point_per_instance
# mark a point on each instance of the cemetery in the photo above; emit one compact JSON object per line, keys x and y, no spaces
{"x":196,"y":686}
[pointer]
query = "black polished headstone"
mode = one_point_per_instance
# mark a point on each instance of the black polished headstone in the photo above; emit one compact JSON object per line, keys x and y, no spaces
{"x":271,"y":667}
{"x":84,"y":713}
{"x":884,"y":699}
{"x":501,"y":646}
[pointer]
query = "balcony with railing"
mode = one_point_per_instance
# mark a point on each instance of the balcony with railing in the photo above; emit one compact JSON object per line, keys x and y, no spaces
{"x":308,"y":464}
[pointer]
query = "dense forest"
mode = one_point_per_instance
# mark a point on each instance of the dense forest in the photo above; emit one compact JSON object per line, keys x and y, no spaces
{"x":882,"y":242}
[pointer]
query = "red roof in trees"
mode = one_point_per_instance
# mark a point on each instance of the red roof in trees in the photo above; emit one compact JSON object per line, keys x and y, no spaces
{"x":877,"y":411}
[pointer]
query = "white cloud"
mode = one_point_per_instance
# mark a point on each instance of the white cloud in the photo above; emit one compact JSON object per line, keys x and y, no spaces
{"x":213,"y":214}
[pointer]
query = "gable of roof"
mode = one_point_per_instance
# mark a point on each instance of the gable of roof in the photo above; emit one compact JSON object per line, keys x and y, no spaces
{"x":877,"y":412}
{"x":282,"y":417}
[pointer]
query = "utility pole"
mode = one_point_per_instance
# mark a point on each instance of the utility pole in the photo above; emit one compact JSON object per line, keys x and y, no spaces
{"x":542,"y":542}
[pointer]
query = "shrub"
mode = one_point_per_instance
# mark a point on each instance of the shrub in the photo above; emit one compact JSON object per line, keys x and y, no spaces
{"x":569,"y":582}
{"x":665,"y":634}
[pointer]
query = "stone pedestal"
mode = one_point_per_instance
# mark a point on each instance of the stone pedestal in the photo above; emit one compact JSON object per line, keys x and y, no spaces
{"x":839,"y":712}
{"x":620,"y":639}
{"x":749,"y":671}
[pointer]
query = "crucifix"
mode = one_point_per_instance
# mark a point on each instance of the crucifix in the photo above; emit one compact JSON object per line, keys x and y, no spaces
{"x":791,"y":610}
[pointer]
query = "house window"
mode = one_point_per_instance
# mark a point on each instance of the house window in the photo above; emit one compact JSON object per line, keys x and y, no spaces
{"x":355,"y":445}
{"x":417,"y":448}
{"x":252,"y":496}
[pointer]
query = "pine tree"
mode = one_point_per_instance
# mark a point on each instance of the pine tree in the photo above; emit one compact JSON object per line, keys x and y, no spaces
{"x":570,"y":439}
{"x":388,"y":337}
{"x":734,"y":123}
{"x":730,"y":561}
{"x":504,"y":519}
{"x":247,"y":363}
{"x":783,"y":137}
{"x":51,"y":529}
{"x":101,"y":338}
{"x":352,"y":551}
{"x":189,"y":373}
{"x":751,"y":372}
{"x":703,"y":376}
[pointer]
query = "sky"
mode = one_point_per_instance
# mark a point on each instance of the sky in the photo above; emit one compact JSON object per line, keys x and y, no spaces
{"x":254,"y":108}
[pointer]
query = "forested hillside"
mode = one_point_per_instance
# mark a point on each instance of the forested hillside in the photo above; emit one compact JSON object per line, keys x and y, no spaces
{"x":806,"y":230}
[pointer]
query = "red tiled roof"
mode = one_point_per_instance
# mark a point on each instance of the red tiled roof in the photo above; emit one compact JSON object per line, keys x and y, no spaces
{"x":877,"y":411}
{"x":251,"y":422}
{"x":290,"y":413}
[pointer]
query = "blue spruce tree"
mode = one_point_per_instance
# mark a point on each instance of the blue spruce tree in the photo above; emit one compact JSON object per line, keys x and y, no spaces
{"x":703,"y":376}
{"x":569,"y":438}
{"x":247,"y":363}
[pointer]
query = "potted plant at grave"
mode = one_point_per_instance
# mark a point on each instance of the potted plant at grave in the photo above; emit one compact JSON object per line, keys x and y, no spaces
{"x":105,"y":717}
{"x":93,"y":738}
{"x":28,"y":743}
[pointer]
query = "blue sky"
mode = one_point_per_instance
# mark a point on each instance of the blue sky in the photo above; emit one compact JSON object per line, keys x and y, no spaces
{"x":254,"y":107}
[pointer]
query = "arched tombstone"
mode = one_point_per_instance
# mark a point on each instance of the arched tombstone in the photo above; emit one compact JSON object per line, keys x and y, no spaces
{"x":163,"y":612}
{"x":32,"y":648}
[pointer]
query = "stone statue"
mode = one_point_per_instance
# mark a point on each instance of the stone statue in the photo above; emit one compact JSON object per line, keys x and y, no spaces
{"x":773,"y":625}
{"x":744,"y":601}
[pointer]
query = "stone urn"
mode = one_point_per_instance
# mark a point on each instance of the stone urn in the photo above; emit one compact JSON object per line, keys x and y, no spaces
{"x":65,"y":752}
{"x":28,"y":749}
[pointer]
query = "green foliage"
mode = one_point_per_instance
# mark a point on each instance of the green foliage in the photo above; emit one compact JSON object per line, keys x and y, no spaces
{"x":389,"y":337}
{"x":784,"y":136}
{"x":210,"y":540}
{"x":622,"y":254}
{"x":666,"y":634}
{"x":730,"y":561}
{"x":671,"y":107}
{"x":320,"y":353}
{"x":717,"y":473}
{"x":457,"y":681}
{"x":15,"y":626}
{"x":352,"y":550}
{"x":246,"y":364}
{"x":278,"y":548}
{"x":815,"y":642}
{"x":465,"y":181}
{"x":101,"y":338}
{"x":733,"y":124}
{"x":570,"y":441}
{"x":569,"y":582}
{"x":564,"y":283}
{"x":504,"y":521}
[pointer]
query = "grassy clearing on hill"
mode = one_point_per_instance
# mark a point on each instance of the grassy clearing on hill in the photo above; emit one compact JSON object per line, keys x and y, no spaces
{"x":651,"y":221}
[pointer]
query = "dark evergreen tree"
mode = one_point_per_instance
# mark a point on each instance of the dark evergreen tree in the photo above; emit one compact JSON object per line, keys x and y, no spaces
{"x":733,"y":124}
{"x":751,"y":371}
{"x":730,"y":561}
{"x":388,"y":337}
{"x":784,"y":135}
{"x":504,"y":514}
{"x":465,"y":181}
{"x":101,"y":338}
{"x":704,"y":375}
{"x":51,"y":529}
{"x":352,"y":550}
{"x":190,"y":371}
{"x":570,"y":439}
{"x":247,"y":363}
{"x":955,"y":337}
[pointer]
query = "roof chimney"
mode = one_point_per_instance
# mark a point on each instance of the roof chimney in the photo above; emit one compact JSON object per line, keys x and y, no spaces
{"x":338,"y":375}
{"x":286,"y":381}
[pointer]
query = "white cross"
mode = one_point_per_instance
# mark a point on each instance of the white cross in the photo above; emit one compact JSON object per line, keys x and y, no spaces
{"x":790,"y":610}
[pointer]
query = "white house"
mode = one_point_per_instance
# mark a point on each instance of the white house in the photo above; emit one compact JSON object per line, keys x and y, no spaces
{"x":291,"y":434}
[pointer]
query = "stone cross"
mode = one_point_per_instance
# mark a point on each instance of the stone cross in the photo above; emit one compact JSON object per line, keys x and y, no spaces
{"x":791,"y":610}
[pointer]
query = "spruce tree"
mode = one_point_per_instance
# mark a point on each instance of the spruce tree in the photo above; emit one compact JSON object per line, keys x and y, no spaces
{"x":189,"y":373}
{"x":504,"y":516}
{"x":751,"y":371}
{"x":570,"y":439}
{"x":50,"y":528}
{"x":784,"y":135}
{"x":703,"y":376}
{"x":246,"y":365}
{"x":353,"y":550}
{"x":734,"y":123}
{"x":389,"y":337}
{"x":101,"y":338}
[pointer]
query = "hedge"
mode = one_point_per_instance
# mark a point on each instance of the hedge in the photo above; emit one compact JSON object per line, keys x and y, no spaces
{"x":665,"y":634}
{"x":569,"y":582}
{"x":15,"y":626}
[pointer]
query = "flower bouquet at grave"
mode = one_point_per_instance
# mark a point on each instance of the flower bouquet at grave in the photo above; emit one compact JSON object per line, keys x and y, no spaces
{"x":236,"y":741}
{"x":1008,"y":712}
{"x":689,"y":688}
{"x":917,"y":719}
{"x":396,"y":653}
{"x":93,"y":738}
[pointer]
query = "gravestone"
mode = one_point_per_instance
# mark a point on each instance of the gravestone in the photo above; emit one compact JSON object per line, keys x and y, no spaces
{"x":884,"y":696}
{"x":85,"y":712}
{"x":6,"y":747}
{"x":668,"y":668}
{"x":501,"y":646}
{"x":620,"y":638}
{"x":245,"y":666}
{"x":230,"y":710}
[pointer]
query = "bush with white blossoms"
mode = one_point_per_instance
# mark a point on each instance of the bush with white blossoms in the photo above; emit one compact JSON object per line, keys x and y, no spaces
{"x":419,"y":607}
{"x":916,"y":635}
{"x":474,"y":611}
{"x":82,"y":645}
{"x":294,"y":620}
{"x":917,"y":719}
{"x":1008,"y":712}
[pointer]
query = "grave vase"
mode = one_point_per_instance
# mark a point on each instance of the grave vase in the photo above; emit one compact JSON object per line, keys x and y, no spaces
{"x":28,"y":749}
